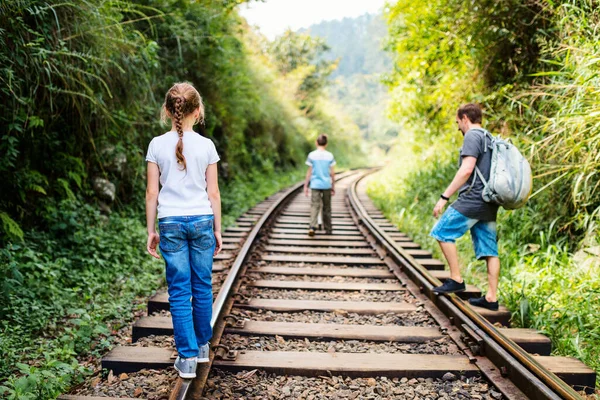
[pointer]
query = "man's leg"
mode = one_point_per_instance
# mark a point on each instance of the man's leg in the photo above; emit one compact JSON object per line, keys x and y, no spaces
{"x":315,"y":205}
{"x":451,"y":254}
{"x":327,"y":210}
{"x":451,"y":226}
{"x":493,"y":267}
{"x":485,"y":243}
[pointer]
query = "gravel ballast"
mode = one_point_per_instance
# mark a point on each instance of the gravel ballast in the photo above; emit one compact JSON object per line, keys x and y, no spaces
{"x":400,"y":296}
{"x":254,"y":385}
{"x":148,"y":384}
{"x":417,"y":318}
{"x":277,"y":343}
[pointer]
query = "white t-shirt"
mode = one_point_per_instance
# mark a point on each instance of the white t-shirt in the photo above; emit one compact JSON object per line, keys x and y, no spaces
{"x":183,"y":192}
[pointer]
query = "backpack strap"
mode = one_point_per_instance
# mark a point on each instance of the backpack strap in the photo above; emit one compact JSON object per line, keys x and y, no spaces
{"x":480,"y":175}
{"x":486,"y":135}
{"x":474,"y":179}
{"x":478,"y":172}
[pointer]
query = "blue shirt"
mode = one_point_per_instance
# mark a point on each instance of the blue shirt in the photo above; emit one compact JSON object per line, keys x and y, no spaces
{"x":321,"y":162}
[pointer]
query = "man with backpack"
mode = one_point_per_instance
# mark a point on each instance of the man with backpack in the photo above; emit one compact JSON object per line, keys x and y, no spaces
{"x":470,"y":211}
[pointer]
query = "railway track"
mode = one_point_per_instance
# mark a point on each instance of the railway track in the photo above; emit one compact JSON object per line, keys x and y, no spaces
{"x":348,"y":315}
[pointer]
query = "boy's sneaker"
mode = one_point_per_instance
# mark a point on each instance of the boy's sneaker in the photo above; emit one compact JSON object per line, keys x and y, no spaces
{"x":203,"y":356}
{"x":311,"y":231}
{"x":482,"y":302}
{"x":186,"y":367}
{"x":328,"y":232}
{"x":450,"y":286}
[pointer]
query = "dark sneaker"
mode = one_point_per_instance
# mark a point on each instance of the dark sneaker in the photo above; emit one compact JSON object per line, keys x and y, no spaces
{"x":311,"y":231}
{"x":482,"y":302}
{"x":328,"y":232}
{"x":450,"y":286}
{"x":186,"y":367}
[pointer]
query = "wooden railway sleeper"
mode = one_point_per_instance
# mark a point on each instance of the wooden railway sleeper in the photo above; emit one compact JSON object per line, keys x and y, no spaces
{"x":223,"y":352}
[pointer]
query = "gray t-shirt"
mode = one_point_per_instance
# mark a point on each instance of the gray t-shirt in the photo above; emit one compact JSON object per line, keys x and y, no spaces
{"x":469,"y":202}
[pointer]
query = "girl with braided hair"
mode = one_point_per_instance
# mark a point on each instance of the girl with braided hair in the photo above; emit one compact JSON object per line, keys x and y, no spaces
{"x":189,"y":221}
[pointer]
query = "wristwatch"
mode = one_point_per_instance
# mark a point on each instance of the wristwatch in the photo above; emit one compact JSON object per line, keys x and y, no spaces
{"x":444,"y":197}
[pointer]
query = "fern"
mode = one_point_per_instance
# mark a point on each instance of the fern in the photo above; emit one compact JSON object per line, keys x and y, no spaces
{"x":10,"y":229}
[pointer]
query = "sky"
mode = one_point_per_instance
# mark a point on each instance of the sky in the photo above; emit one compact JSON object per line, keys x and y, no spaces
{"x":273,"y":17}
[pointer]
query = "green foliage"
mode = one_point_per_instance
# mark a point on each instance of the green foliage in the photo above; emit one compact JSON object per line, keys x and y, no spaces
{"x":300,"y":56}
{"x":10,"y":228}
{"x":537,"y":78}
{"x":355,"y":88}
{"x":562,"y":114}
{"x":356,"y":43}
{"x":60,"y":290}
{"x":81,"y":82}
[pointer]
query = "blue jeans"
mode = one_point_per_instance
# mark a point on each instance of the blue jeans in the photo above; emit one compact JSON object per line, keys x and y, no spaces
{"x":453,"y":225}
{"x":187,"y":245}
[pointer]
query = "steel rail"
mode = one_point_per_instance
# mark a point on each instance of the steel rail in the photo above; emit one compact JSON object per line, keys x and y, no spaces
{"x":522,"y":368}
{"x":184,"y":389}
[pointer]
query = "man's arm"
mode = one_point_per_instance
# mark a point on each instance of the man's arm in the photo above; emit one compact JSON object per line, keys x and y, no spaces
{"x":332,"y":174}
{"x":462,"y":176}
{"x":307,"y":181}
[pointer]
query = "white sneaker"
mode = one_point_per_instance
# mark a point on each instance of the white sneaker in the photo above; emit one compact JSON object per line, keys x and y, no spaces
{"x":186,"y":367}
{"x":203,"y":356}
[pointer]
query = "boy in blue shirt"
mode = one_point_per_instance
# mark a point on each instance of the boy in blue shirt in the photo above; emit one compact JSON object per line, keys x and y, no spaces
{"x":321,"y":177}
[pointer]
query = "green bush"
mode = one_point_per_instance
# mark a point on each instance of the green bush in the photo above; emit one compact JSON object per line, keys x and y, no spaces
{"x":82,"y":83}
{"x":537,"y":78}
{"x":60,"y":290}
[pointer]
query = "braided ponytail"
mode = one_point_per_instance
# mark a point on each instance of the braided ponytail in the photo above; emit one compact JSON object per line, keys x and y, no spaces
{"x":178,"y":118}
{"x":181,"y":100}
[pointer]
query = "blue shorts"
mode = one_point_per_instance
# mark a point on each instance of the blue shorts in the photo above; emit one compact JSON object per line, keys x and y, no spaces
{"x":452,"y":225}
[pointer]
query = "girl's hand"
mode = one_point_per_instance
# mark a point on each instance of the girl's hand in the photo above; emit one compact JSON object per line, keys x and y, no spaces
{"x":219,"y":244}
{"x":153,"y":240}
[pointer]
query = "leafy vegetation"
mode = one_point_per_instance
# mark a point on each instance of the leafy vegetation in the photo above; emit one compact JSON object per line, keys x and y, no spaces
{"x":537,"y":78}
{"x":356,"y":44}
{"x":300,"y":59}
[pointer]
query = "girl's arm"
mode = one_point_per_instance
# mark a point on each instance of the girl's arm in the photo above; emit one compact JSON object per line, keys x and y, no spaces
{"x":151,"y":206}
{"x":214,"y":196}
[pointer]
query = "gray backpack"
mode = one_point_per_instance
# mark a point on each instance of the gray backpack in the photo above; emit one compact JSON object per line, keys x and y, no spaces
{"x":510,"y":175}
